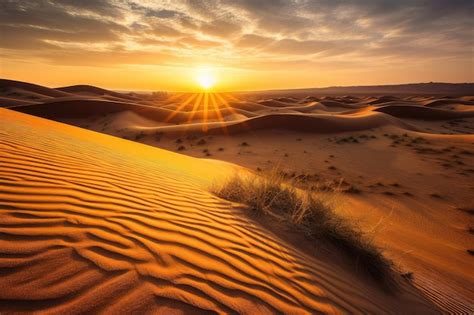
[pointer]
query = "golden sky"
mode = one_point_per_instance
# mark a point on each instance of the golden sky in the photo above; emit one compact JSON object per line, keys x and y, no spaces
{"x":247,"y":44}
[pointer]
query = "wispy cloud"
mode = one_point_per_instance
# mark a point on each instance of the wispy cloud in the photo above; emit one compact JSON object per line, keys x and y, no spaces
{"x":237,"y":33}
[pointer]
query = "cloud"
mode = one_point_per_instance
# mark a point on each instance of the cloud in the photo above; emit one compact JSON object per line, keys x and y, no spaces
{"x":265,"y":32}
{"x":220,"y":28}
{"x":102,"y":7}
{"x":40,"y":20}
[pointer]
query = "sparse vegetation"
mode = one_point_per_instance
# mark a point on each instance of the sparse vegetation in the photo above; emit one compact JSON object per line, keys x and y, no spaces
{"x":350,"y":139}
{"x":352,"y":190}
{"x":139,"y":135}
{"x":467,"y":210}
{"x":158,"y":136}
{"x":311,"y":214}
{"x":407,"y":275}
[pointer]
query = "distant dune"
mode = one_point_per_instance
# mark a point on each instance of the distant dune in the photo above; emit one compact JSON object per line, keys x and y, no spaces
{"x":92,"y":90}
{"x":433,"y":88}
{"x":194,"y":113}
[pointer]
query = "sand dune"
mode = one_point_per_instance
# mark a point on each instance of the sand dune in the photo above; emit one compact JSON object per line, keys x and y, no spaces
{"x":92,"y":90}
{"x":404,"y":162}
{"x":421,"y":112}
{"x":22,"y":89}
{"x":442,"y":102}
{"x":93,"y":223}
{"x":9,"y":102}
{"x":84,"y":102}
{"x":294,"y":122}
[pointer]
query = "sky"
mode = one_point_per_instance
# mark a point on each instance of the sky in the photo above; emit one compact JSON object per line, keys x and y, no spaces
{"x":245,"y":44}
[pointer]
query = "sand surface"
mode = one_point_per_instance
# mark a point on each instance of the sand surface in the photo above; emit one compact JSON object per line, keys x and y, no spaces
{"x":94,"y":223}
{"x":404,"y":164}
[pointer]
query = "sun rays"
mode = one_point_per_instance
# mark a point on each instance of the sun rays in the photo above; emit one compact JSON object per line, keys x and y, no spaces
{"x":204,"y":108}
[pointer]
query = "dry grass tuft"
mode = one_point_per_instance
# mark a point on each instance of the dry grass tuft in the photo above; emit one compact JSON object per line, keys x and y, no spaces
{"x":311,"y":214}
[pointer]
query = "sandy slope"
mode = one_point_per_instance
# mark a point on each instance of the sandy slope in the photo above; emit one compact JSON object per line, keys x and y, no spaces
{"x":405,"y":162}
{"x":92,"y":223}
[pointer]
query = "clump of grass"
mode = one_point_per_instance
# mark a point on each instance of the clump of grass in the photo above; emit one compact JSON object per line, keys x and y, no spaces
{"x":352,"y":190}
{"x":311,"y":214}
{"x":158,"y":136}
{"x":468,"y":210}
{"x":140,"y":135}
{"x":407,"y":275}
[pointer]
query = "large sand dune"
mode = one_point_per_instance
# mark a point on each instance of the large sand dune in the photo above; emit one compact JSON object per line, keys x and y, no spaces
{"x":404,"y":164}
{"x":93,"y":223}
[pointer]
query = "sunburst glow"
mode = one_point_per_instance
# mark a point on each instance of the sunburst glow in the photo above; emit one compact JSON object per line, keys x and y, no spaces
{"x":206,"y":78}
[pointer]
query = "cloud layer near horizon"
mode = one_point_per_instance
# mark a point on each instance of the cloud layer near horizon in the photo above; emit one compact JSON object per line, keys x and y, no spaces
{"x":265,"y":35}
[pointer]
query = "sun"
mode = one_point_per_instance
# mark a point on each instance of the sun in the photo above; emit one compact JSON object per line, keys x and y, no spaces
{"x":205,"y":78}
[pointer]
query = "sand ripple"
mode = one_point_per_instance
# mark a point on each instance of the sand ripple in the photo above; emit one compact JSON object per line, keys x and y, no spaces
{"x":91,"y":223}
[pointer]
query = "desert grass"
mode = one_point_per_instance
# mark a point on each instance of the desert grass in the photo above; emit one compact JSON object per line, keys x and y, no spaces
{"x":312,"y":214}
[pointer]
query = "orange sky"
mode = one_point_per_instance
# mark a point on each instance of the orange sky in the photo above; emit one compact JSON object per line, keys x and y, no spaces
{"x":249,"y":45}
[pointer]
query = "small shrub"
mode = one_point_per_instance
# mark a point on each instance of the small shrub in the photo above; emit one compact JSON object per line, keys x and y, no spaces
{"x":352,"y":190}
{"x":310,"y":214}
{"x":468,"y":210}
{"x":158,"y":136}
{"x":139,"y":135}
{"x":407,"y":275}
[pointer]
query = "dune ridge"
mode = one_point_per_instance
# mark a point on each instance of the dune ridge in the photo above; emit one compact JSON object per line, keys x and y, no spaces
{"x":214,"y":113}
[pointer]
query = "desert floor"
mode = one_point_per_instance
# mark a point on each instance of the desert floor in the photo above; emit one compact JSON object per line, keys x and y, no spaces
{"x":91,"y":222}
